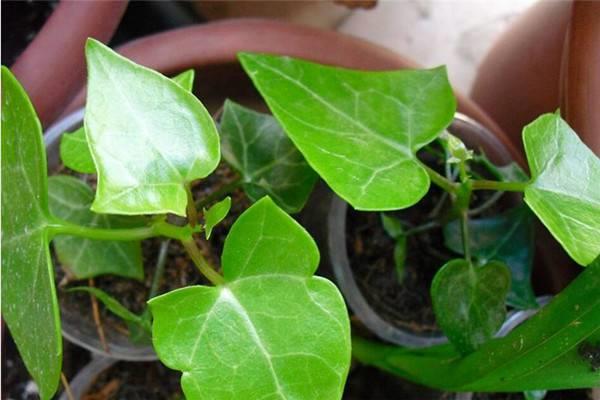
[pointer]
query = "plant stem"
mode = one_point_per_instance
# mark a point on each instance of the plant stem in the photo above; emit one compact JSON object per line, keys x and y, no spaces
{"x":203,"y":266}
{"x":439,"y":180}
{"x":501,"y":186}
{"x":160,"y":268}
{"x":422,"y":228}
{"x":464,"y":229}
{"x":219,"y":194}
{"x":487,"y":204}
{"x":192,"y":213}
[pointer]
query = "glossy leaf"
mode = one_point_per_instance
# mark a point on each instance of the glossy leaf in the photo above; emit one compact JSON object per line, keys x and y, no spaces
{"x":564,"y":192}
{"x":543,"y":352}
{"x":74,"y":150}
{"x":359,"y":130}
{"x":269,"y":163}
{"x":29,"y":304}
{"x":215,"y":214}
{"x":272,"y":331}
{"x":468,"y":301}
{"x":70,"y":200}
{"x":508,"y":238}
{"x":148,"y":136}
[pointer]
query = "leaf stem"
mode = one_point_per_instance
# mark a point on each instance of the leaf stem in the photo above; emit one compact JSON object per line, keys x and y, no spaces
{"x":484,"y":184}
{"x":464,"y":229}
{"x":203,"y":266}
{"x":487,"y":204}
{"x":191,"y":211}
{"x":160,"y":268}
{"x":422,"y":228}
{"x":220,"y":193}
{"x":440,"y":180}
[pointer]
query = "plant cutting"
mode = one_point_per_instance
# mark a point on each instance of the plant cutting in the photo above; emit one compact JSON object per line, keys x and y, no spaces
{"x":394,"y":117}
{"x":149,"y":140}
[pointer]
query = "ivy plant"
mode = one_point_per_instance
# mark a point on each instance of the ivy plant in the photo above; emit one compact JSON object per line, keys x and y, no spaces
{"x":395,"y":116}
{"x":148,"y":140}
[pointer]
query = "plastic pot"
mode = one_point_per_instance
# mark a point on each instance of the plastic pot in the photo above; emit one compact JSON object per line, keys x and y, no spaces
{"x":475,"y":136}
{"x":77,"y":328}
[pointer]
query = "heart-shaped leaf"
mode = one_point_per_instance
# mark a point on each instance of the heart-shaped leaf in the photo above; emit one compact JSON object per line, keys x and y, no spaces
{"x":148,"y":136}
{"x":74,"y":150}
{"x":359,"y":130}
{"x":29,"y":304}
{"x":565,"y":190}
{"x":70,"y":199}
{"x":271,"y":331}
{"x":468,"y":301}
{"x":269,"y":163}
{"x":215,"y":214}
{"x":508,"y":238}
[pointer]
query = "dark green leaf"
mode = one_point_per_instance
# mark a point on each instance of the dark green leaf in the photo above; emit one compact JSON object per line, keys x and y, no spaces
{"x":269,"y":163}
{"x":148,"y":136}
{"x":468,"y":301}
{"x":392,"y":226}
{"x":215,"y":214}
{"x":359,"y":130}
{"x":272,"y":331}
{"x":565,"y":190}
{"x":508,"y":238}
{"x":29,"y":304}
{"x":70,"y":200}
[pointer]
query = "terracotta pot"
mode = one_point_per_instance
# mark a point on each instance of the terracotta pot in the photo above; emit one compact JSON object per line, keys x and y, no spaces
{"x":52,"y":68}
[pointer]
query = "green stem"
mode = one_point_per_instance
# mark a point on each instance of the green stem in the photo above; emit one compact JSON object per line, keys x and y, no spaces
{"x":500,"y":186}
{"x":422,"y":228}
{"x":464,"y":229}
{"x":160,"y":268}
{"x":439,"y":180}
{"x":487,"y":204}
{"x":220,"y":193}
{"x":203,"y":266}
{"x":192,"y":213}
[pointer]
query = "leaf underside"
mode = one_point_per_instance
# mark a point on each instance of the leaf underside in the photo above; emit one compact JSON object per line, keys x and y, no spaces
{"x":273,"y":331}
{"x":359,"y":130}
{"x":29,"y":304}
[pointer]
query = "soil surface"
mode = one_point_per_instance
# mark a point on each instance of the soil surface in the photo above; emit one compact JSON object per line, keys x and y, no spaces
{"x":580,"y":394}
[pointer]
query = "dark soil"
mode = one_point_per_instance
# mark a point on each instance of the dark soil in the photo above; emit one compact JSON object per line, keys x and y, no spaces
{"x":580,"y":394}
{"x":136,"y":381}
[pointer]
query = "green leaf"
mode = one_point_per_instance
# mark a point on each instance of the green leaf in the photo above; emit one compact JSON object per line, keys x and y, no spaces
{"x":273,"y":330}
{"x":508,"y":238}
{"x":468,"y":301}
{"x":110,"y":303}
{"x":534,"y":394}
{"x":215,"y":214}
{"x":148,"y":136}
{"x":74,"y":150}
{"x":70,"y":200}
{"x":359,"y":130}
{"x":393,"y":227}
{"x":543,"y":352}
{"x":269,"y":163}
{"x":458,"y":152}
{"x":564,"y":192}
{"x":29,"y":303}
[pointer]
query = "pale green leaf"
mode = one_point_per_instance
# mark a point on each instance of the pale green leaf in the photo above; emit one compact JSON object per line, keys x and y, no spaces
{"x":535,"y":394}
{"x":359,"y":130}
{"x":273,"y":331}
{"x":29,"y":303}
{"x":215,"y":214}
{"x":74,"y":150}
{"x":269,"y":163}
{"x":468,"y":301}
{"x":70,"y":200}
{"x":565,"y":190}
{"x":457,"y":151}
{"x":148,"y":136}
{"x":506,"y":237}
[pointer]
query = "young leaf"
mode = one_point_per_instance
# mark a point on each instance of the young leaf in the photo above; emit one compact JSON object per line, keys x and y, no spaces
{"x":29,"y":303}
{"x":74,"y":150}
{"x":543,"y":352}
{"x":564,"y":192}
{"x":393,"y":227}
{"x":508,"y":238}
{"x":468,"y":301}
{"x":70,"y":199}
{"x":359,"y":130}
{"x":272,"y":331}
{"x":269,"y":163}
{"x":148,"y":136}
{"x":457,"y":150}
{"x":215,"y":214}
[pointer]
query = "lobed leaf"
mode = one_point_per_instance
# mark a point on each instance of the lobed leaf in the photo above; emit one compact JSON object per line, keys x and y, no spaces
{"x":359,"y":130}
{"x":215,"y":214}
{"x":149,"y":137}
{"x":468,"y":301}
{"x":272,"y":331}
{"x":70,"y":200}
{"x":255,"y":145}
{"x":29,"y":303}
{"x":564,"y":192}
